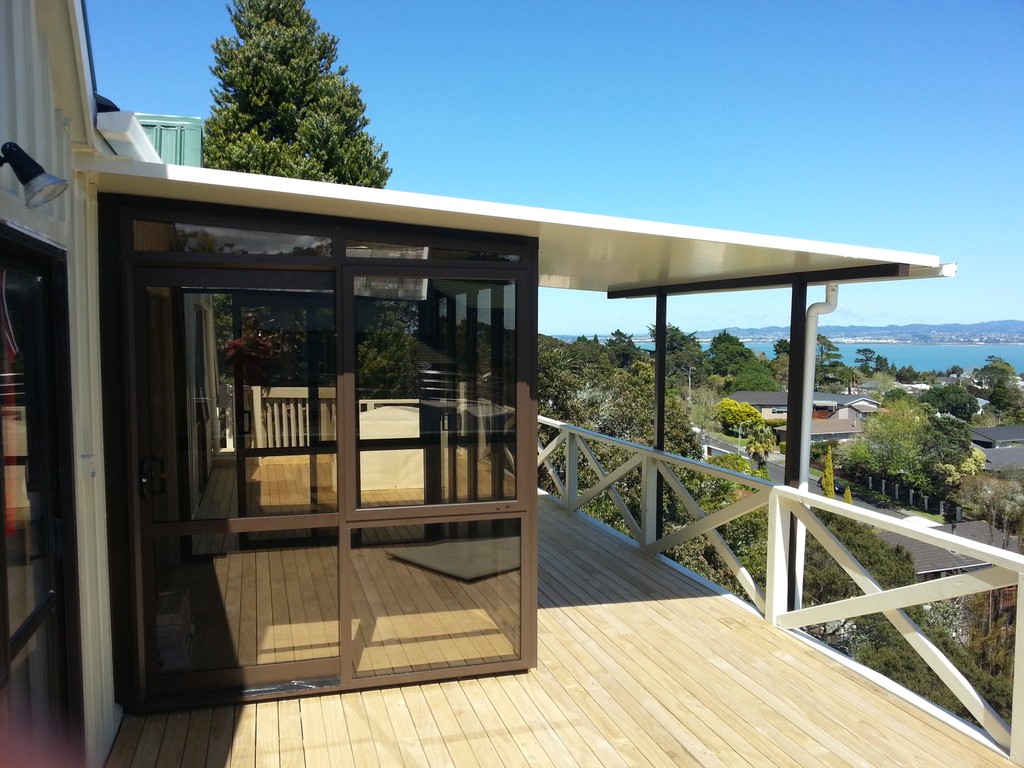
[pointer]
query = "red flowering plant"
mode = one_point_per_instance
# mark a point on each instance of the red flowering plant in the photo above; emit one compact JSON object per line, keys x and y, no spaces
{"x":254,"y":349}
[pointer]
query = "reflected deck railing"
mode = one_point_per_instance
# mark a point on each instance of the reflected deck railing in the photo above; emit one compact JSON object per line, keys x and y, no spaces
{"x":573,"y":448}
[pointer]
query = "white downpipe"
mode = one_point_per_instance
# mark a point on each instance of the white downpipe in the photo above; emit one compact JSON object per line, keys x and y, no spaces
{"x":807,"y":404}
{"x":799,"y":531}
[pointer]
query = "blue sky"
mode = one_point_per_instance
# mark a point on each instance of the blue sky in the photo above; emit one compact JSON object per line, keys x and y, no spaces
{"x":889,"y":123}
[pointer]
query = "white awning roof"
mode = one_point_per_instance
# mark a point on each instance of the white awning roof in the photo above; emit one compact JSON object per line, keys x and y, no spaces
{"x":577,"y":250}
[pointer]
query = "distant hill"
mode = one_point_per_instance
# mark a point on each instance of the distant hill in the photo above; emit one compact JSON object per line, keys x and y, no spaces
{"x":993,"y":332}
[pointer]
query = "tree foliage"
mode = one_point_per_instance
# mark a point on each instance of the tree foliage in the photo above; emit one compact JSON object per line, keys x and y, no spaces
{"x":733,"y":414}
{"x":282,"y":107}
{"x":761,"y":441}
{"x":906,"y":443}
{"x":727,"y":355}
{"x":623,"y":349}
{"x":828,"y":478}
{"x":955,"y":401}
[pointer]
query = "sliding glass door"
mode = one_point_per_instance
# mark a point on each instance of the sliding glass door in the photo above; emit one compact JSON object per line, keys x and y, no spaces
{"x":237,"y":478}
{"x":325,"y":438}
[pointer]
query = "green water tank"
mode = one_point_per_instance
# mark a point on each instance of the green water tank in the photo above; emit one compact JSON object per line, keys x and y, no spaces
{"x":178,"y":140}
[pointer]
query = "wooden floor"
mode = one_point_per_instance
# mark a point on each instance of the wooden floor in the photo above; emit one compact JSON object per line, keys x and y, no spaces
{"x":638,"y":665}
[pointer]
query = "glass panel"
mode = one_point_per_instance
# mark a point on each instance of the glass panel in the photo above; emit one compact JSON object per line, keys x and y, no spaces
{"x":24,"y":515}
{"x":244,"y":606}
{"x":435,"y":380}
{"x":201,"y":238}
{"x":291,"y":485}
{"x":367,"y":250}
{"x":283,"y":353}
{"x":33,"y":685}
{"x":240,"y":374}
{"x":451,"y":599}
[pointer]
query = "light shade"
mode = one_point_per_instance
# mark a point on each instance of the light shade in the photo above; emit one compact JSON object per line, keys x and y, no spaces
{"x":40,"y":186}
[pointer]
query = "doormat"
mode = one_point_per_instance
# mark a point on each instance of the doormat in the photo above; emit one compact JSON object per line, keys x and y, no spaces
{"x":464,"y":559}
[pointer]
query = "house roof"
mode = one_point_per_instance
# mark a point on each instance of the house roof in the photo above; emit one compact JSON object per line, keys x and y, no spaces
{"x":577,"y":250}
{"x":821,"y":427}
{"x":766,"y":399}
{"x":1004,"y":457}
{"x":931,"y":559}
{"x":998,"y":434}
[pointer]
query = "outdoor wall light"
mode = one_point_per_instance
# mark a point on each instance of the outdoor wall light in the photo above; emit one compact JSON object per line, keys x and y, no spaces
{"x":40,"y":186}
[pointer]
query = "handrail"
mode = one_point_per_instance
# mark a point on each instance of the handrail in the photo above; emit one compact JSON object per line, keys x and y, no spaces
{"x":575,"y":446}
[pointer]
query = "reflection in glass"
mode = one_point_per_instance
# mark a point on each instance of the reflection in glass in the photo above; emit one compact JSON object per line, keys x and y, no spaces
{"x":32,"y":682}
{"x":291,"y":485}
{"x":255,"y":400}
{"x":240,"y":607}
{"x":451,"y":599}
{"x":202,"y":238}
{"x":435,"y":385}
{"x":24,"y":517}
{"x":367,"y":250}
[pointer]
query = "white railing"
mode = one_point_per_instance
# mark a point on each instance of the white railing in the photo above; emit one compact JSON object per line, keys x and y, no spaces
{"x":574,"y":447}
{"x":281,"y":416}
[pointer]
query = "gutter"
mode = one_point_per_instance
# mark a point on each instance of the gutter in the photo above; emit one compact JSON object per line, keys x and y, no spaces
{"x":125,"y":135}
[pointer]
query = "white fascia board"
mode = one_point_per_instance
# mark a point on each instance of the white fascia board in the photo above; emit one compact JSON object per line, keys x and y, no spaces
{"x":126,"y":137}
{"x":577,"y":250}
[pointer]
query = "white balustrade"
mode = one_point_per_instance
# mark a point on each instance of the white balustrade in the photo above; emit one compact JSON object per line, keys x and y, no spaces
{"x":575,"y":447}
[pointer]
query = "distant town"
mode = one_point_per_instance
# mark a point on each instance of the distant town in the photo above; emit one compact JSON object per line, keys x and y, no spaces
{"x":993,"y":332}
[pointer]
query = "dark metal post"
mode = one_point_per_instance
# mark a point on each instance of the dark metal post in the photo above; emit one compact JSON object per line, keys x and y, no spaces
{"x":660,"y":354}
{"x":795,"y":418}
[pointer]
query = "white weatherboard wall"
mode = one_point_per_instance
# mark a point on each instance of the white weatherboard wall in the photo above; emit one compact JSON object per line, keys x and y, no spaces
{"x":46,"y":108}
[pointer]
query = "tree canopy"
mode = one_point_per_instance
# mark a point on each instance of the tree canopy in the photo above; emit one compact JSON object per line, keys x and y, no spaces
{"x":282,"y":107}
{"x":956,"y":401}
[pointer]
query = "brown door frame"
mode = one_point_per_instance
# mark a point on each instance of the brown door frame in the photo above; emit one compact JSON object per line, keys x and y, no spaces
{"x":24,"y":254}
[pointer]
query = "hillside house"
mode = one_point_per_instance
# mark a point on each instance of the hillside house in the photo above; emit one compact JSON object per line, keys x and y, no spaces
{"x":1003,"y":446}
{"x":827,"y":405}
{"x":269,"y":439}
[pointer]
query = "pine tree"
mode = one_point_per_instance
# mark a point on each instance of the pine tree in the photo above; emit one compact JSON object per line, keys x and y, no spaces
{"x":282,"y":108}
{"x":828,"y":479}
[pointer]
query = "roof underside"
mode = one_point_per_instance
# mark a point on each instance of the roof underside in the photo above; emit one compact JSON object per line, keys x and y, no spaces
{"x":623,"y":257}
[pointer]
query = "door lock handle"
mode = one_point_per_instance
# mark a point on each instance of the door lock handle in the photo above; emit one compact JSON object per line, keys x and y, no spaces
{"x":153,"y":477}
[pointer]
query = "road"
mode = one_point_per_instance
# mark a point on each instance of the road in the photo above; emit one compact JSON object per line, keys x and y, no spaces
{"x":776,"y":473}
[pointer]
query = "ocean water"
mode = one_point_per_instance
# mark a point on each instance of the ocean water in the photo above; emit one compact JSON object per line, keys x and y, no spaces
{"x":928,"y":357}
{"x":920,"y":357}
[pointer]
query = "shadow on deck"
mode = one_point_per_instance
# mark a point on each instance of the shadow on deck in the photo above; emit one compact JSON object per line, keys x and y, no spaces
{"x":637,"y":665}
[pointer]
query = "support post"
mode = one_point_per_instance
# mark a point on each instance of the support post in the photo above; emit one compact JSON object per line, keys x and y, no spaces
{"x":795,"y":419}
{"x":649,"y":477}
{"x":660,"y":358}
{"x":572,"y":470}
{"x":777,"y":579}
{"x":1017,"y":732}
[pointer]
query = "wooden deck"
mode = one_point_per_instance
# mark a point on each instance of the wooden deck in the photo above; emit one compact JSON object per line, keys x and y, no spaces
{"x":638,"y":665}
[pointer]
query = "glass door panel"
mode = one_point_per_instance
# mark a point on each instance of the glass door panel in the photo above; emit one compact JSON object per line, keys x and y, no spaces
{"x":435,"y":389}
{"x":238,"y":482}
{"x":451,"y":601}
{"x":32,"y":668}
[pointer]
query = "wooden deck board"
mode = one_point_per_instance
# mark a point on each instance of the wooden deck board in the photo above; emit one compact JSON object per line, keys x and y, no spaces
{"x":638,"y":666}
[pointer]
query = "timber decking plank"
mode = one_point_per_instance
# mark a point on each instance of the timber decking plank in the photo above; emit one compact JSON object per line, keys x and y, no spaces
{"x":385,"y":740}
{"x":198,"y":738}
{"x":147,"y":752}
{"x":222,"y":728}
{"x":268,"y":735}
{"x":423,"y":721}
{"x":458,"y":736}
{"x":127,"y":741}
{"x":243,"y":743}
{"x":410,"y":741}
{"x":315,"y":747}
{"x":638,"y":665}
{"x":295,"y":747}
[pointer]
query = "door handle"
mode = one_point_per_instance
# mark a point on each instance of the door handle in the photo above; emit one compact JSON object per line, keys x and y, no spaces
{"x":153,"y":477}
